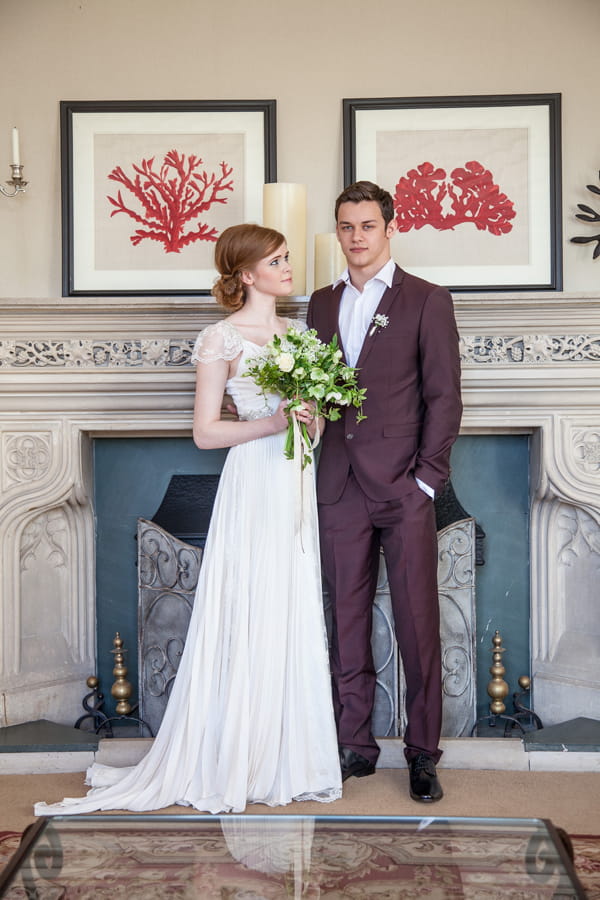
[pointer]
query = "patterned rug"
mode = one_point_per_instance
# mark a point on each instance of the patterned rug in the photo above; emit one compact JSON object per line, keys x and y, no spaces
{"x":192,"y":864}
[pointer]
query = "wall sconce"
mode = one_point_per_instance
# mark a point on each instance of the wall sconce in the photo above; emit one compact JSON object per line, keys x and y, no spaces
{"x":17,"y":183}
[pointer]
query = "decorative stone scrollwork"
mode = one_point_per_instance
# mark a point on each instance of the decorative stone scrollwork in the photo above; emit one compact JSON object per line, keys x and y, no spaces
{"x":580,"y":536}
{"x":88,"y":354}
{"x":22,"y":354}
{"x":27,"y":457}
{"x":476,"y":350}
{"x":577,"y":348}
{"x":45,"y":549}
{"x":47,"y":532}
{"x":586,"y":450}
{"x":479,"y":350}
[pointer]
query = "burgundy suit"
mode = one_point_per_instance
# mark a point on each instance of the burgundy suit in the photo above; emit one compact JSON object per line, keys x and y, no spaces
{"x":368,"y":498}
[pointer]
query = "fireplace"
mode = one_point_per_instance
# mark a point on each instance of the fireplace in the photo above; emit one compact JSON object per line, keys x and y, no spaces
{"x":133,"y":477}
{"x":169,"y":564}
{"x":75,"y":369}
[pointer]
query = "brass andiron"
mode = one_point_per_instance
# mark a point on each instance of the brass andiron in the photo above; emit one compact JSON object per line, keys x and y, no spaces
{"x":121,"y":689}
{"x":498,"y":689}
{"x":92,"y":703}
{"x":521,"y":711}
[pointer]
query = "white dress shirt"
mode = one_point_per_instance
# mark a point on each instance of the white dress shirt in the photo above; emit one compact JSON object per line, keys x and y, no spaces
{"x":357,"y":309}
{"x":356,"y":315}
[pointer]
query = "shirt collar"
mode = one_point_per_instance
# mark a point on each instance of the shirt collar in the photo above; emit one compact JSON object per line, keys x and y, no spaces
{"x":385,"y":274}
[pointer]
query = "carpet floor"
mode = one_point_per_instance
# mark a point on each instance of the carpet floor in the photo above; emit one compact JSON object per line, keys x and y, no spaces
{"x":569,"y":800}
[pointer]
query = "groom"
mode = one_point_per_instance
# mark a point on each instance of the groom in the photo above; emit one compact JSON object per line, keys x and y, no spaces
{"x":377,"y":479}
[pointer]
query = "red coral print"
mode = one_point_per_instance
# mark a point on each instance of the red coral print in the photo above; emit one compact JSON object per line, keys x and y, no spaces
{"x":473,"y":196}
{"x":171,"y":199}
{"x":418,"y":198}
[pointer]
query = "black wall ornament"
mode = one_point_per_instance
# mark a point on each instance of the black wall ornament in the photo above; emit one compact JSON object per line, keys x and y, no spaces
{"x":587,"y":214}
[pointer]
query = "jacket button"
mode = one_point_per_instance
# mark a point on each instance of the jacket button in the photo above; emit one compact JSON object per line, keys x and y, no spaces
{"x":349,"y":437}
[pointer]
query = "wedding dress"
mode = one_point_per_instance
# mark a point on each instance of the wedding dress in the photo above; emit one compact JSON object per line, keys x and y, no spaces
{"x":250,"y":716}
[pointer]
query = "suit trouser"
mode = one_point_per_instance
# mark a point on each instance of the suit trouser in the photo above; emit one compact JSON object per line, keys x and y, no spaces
{"x":352,"y":531}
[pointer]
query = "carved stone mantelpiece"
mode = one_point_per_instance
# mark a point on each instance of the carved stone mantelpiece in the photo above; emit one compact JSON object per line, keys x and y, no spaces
{"x":72,"y":369}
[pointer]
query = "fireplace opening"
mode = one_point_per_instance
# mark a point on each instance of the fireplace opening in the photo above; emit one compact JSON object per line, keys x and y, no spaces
{"x":167,"y":481}
{"x":186,"y":508}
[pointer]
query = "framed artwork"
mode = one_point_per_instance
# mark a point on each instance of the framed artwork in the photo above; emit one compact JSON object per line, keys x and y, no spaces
{"x":147,"y":187}
{"x":476,"y":183}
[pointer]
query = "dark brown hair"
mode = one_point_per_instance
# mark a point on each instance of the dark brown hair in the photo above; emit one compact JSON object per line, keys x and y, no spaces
{"x":239,"y":248}
{"x":366,"y":190}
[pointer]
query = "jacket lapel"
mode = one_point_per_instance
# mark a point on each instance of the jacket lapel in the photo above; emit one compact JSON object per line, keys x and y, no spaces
{"x":334,"y":323}
{"x":385,"y":305}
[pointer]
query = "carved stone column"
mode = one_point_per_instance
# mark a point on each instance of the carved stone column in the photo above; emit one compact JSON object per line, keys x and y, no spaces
{"x":565,"y":562}
{"x":47,"y":573}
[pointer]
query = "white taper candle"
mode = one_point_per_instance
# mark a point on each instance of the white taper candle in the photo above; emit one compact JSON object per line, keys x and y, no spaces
{"x":16,"y":157}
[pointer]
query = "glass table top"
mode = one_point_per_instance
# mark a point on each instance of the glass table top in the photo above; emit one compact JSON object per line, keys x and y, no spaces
{"x":253,"y":857}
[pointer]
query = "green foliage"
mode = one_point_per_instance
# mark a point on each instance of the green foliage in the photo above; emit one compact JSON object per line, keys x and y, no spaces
{"x":301,"y":368}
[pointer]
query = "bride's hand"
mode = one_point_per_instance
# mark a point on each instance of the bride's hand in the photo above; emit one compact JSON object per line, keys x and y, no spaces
{"x":306,"y":416}
{"x":280,"y":417}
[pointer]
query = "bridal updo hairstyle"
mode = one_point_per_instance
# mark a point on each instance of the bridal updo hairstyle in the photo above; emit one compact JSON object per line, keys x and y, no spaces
{"x":239,"y":248}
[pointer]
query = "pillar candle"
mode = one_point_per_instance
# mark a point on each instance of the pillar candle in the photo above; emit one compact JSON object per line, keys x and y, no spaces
{"x":16,"y":158}
{"x":329,"y":259}
{"x":284,"y":208}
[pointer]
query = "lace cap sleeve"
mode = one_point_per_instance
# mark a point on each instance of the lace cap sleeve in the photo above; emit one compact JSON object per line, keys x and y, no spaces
{"x":298,"y":324}
{"x":218,"y":341}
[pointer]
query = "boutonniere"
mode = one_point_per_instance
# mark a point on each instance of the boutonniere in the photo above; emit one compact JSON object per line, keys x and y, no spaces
{"x":379,"y":321}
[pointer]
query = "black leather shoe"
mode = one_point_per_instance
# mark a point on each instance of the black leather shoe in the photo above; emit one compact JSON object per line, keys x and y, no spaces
{"x":424,"y":784}
{"x":353,"y":763}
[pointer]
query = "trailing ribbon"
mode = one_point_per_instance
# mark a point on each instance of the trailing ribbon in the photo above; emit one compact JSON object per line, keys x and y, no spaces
{"x":302,"y":447}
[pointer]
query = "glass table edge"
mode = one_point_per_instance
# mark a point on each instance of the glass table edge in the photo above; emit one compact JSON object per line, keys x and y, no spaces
{"x":35,"y":830}
{"x":500,"y":821}
{"x":28,"y":838}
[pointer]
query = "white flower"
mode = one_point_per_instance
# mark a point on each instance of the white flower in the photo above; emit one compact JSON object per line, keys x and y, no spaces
{"x":298,"y":365}
{"x":285,"y":362}
{"x":379,"y":321}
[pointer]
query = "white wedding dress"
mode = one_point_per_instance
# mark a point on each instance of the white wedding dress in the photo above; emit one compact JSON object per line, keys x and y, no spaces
{"x":250,"y":717}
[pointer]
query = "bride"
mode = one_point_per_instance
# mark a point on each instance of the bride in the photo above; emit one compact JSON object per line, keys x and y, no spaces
{"x":250,"y":717}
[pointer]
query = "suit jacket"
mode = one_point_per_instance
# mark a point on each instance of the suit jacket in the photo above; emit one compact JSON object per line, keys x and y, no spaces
{"x":411,"y":370}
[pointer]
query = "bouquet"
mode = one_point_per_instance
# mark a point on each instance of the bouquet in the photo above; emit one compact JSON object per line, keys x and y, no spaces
{"x":301,"y":367}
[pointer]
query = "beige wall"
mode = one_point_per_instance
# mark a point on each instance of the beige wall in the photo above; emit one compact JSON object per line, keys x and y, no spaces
{"x":306,"y":55}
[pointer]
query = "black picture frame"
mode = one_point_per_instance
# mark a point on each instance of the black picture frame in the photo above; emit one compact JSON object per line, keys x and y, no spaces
{"x":177,"y":172}
{"x":516,"y":136}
